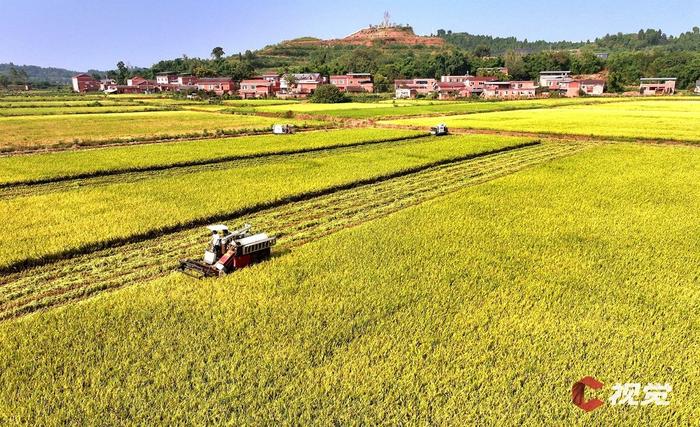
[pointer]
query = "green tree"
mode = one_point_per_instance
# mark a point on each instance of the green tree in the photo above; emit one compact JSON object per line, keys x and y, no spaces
{"x":122,"y":73}
{"x":586,"y":63}
{"x":217,"y":53}
{"x":516,"y":66}
{"x":328,"y":94}
{"x":482,"y":51}
{"x":615,"y":82}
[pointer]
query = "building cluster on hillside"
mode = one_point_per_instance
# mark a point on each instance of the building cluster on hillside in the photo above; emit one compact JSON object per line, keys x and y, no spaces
{"x":490,"y":87}
{"x":299,"y":85}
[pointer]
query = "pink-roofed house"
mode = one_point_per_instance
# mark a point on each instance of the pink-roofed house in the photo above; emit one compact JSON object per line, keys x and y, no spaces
{"x":510,"y":90}
{"x":353,"y":82}
{"x":85,"y":83}
{"x":257,"y":88}
{"x":218,"y":85}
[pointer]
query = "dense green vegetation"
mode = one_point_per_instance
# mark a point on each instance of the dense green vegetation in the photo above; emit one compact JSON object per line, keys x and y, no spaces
{"x":478,"y":308}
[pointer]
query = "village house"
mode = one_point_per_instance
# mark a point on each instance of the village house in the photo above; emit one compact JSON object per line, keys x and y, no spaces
{"x":417,"y":86}
{"x":353,"y":82}
{"x":452,"y":90}
{"x":697,"y":87}
{"x":551,"y":79}
{"x":85,"y":83}
{"x":106,"y":83}
{"x":405,"y":93}
{"x":272,"y":77}
{"x":186,"y":80}
{"x":144,"y":86}
{"x":257,"y":88}
{"x":448,"y":87}
{"x":217,"y":85}
{"x":455,"y":79}
{"x":509,"y":90}
{"x":299,"y":85}
{"x":167,"y":78}
{"x":592,"y":87}
{"x":657,"y":86}
{"x":137,"y":81}
{"x":567,"y":87}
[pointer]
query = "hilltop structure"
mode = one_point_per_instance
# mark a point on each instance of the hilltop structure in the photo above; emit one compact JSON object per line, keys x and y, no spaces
{"x":386,"y":32}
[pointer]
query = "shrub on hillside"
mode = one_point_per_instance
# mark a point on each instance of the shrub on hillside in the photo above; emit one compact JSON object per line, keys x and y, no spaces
{"x":328,"y":94}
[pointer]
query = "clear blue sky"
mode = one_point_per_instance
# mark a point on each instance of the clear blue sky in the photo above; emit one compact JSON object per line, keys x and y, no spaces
{"x":96,"y":34}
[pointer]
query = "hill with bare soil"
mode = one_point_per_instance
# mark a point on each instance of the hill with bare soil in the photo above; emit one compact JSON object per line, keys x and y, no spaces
{"x":381,"y":35}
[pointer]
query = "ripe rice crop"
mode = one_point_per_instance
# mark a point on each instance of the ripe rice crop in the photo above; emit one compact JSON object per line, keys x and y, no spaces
{"x":45,"y":111}
{"x":43,"y":167}
{"x":49,"y":224}
{"x":479,"y":308}
{"x":73,"y":103}
{"x":294,"y":223}
{"x":38,"y":132}
{"x":671,"y":120}
{"x":410,"y":108}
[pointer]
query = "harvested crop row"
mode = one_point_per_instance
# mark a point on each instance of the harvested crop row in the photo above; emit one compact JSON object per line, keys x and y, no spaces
{"x":48,"y":226}
{"x":36,"y":132}
{"x":296,"y":224}
{"x":110,"y":160}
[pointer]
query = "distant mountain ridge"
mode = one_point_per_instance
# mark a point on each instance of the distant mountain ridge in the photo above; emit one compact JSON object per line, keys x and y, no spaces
{"x":38,"y":74}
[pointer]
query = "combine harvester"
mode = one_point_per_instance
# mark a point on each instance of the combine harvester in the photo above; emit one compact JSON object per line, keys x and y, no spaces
{"x":280,"y":129}
{"x":229,"y":251}
{"x":439,"y":130}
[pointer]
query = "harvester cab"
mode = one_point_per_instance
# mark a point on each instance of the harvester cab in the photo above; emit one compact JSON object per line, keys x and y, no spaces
{"x":280,"y":129}
{"x":229,"y":251}
{"x":439,"y":130}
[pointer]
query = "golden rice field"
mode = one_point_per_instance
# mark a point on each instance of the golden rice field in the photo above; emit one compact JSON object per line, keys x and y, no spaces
{"x":482,"y":307}
{"x":32,"y":132}
{"x":671,"y":120}
{"x":469,"y":279}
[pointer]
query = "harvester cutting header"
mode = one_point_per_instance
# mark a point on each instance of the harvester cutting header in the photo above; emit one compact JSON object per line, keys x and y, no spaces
{"x":229,"y":251}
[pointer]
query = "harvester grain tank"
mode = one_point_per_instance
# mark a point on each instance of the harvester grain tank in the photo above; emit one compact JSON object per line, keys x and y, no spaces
{"x":229,"y":251}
